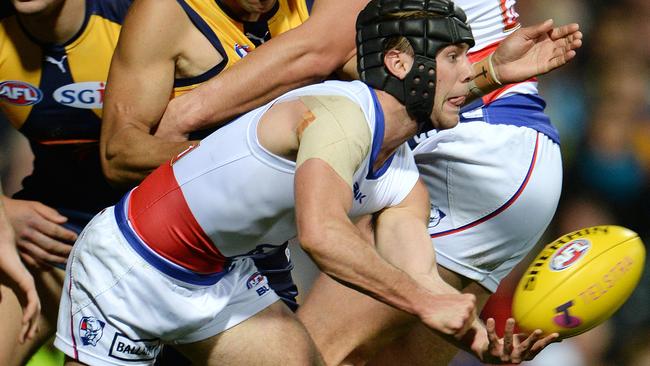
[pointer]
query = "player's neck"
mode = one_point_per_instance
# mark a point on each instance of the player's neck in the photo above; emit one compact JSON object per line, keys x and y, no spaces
{"x":241,"y":14}
{"x":398,"y":125}
{"x":58,"y":24}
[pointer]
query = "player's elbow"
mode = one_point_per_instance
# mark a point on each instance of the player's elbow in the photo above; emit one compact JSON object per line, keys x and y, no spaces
{"x":313,"y":239}
{"x":324,"y":64}
{"x":112,"y":161}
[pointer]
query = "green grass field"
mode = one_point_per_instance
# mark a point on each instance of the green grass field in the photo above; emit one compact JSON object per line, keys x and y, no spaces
{"x":47,"y":356}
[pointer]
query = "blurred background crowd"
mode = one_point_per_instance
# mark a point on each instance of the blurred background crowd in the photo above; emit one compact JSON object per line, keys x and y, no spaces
{"x":601,"y":105}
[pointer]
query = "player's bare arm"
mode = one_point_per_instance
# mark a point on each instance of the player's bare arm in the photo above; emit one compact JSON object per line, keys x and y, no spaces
{"x":401,"y":230}
{"x":528,"y":52}
{"x":14,"y":275}
{"x":289,"y":60}
{"x":138,"y":89}
{"x":338,"y":248}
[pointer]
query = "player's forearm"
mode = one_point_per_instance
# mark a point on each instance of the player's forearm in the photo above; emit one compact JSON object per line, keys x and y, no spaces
{"x":131,"y":154}
{"x":354,"y":262}
{"x":262,"y":76}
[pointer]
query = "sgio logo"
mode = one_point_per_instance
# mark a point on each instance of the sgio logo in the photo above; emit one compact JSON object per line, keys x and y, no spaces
{"x":19,"y":93}
{"x":88,"y":95}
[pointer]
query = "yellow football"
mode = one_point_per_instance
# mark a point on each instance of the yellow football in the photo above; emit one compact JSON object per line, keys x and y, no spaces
{"x":579,"y":280}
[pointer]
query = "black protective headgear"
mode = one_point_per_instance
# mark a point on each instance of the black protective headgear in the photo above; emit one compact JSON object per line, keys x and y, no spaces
{"x":427,"y":35}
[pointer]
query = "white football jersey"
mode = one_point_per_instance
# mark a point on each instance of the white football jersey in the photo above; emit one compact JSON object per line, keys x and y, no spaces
{"x":229,"y":194}
{"x":491,"y":20}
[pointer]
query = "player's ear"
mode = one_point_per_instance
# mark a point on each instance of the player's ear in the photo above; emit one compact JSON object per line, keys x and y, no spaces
{"x":398,"y":63}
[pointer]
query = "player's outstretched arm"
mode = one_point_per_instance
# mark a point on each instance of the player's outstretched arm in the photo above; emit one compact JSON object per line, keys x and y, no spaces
{"x":14,"y":275}
{"x":402,"y":240}
{"x":528,"y":52}
{"x":536,"y":50}
{"x":323,"y":200}
{"x":139,"y":86}
{"x":292,"y":59}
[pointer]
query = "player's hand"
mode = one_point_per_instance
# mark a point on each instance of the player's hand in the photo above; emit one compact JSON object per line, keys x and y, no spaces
{"x":171,"y":126}
{"x":535,"y":50}
{"x":514,"y":348}
{"x":40,"y":236}
{"x":450,"y":314}
{"x":15,"y":276}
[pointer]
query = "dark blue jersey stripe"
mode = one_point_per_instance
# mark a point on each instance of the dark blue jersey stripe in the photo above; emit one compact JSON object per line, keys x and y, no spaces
{"x":205,"y":29}
{"x":113,"y":10}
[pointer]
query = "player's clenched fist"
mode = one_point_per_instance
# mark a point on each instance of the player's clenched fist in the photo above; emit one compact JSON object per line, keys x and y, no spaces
{"x":450,"y":314}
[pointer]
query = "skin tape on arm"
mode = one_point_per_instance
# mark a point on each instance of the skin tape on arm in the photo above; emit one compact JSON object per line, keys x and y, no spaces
{"x":334,"y":130}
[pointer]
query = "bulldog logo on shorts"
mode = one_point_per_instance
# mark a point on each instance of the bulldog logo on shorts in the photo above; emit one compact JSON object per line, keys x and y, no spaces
{"x":435,"y":215}
{"x":254,"y":280}
{"x":91,"y":330}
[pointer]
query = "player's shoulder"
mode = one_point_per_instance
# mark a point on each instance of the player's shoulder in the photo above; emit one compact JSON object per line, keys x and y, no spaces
{"x":345,"y":99}
{"x":160,"y":24}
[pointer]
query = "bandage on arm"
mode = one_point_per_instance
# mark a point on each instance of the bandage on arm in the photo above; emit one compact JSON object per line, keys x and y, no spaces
{"x":334,"y":130}
{"x":485,"y":78}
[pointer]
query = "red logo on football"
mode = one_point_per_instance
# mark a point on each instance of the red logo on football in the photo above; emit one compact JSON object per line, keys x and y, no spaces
{"x":20,"y":93}
{"x":569,"y":254}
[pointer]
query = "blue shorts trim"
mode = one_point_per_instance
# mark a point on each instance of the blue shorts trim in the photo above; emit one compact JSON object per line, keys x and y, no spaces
{"x":153,"y":258}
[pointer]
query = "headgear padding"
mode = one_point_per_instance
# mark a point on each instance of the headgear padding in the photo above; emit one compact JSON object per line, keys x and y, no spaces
{"x":377,"y":23}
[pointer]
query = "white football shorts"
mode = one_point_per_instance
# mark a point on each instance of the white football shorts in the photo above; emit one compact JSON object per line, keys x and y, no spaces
{"x":117,"y":309}
{"x":494,"y":190}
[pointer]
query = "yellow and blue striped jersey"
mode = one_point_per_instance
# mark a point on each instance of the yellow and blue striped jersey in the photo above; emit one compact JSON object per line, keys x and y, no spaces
{"x":53,"y":94}
{"x":233,"y":38}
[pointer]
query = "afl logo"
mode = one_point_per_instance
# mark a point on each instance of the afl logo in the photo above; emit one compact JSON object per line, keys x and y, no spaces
{"x":19,"y":93}
{"x":87,"y":95}
{"x":242,"y":50}
{"x":569,"y":254}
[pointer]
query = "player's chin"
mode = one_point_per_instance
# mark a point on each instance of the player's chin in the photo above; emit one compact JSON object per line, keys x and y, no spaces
{"x":449,"y":118}
{"x":33,"y":7}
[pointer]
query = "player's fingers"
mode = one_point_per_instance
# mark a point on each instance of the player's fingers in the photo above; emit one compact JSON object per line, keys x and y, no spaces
{"x":490,"y":327}
{"x":55,"y":231}
{"x":28,"y":331}
{"x":30,"y":316}
{"x":41,"y":255}
{"x":540,"y":344}
{"x":559,"y":59}
{"x":48,"y":243}
{"x":31,"y":311}
{"x":49,"y":213}
{"x":569,"y":43}
{"x":30,"y":261}
{"x":508,"y":339}
{"x":518,"y":349}
{"x":493,"y":338}
{"x":576,"y":42}
{"x":537,"y":30}
{"x":563,"y":31}
{"x":531,"y":346}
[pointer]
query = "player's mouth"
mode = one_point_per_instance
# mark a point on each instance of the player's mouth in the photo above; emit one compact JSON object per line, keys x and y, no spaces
{"x":456,"y":102}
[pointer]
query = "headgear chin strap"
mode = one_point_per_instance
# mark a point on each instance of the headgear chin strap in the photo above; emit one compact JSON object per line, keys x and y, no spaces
{"x":376,"y":24}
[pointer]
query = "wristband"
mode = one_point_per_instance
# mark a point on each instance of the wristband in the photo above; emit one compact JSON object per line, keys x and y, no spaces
{"x":486,"y":79}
